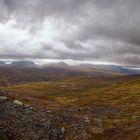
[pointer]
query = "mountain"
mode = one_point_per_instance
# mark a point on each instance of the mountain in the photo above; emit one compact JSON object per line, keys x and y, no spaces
{"x":2,"y":63}
{"x":102,"y":69}
{"x":132,"y":70}
{"x":63,"y":68}
{"x":112,"y":69}
{"x":57,"y":65}
{"x":23,"y":64}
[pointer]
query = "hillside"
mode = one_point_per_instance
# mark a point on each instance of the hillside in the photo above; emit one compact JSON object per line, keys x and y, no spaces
{"x":24,"y":72}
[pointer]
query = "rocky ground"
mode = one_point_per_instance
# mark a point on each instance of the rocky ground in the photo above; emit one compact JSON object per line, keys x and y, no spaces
{"x":19,"y":121}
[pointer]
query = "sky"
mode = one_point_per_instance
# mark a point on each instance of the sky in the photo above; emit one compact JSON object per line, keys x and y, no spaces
{"x":93,"y":31}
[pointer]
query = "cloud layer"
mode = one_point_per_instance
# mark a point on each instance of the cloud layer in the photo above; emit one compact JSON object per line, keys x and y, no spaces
{"x":78,"y":30}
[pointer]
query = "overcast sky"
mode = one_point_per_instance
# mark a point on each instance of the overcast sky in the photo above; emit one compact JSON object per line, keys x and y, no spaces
{"x":106,"y":31}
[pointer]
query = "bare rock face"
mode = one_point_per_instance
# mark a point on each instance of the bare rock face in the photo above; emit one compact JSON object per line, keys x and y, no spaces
{"x":3,"y":98}
{"x":17,"y":102}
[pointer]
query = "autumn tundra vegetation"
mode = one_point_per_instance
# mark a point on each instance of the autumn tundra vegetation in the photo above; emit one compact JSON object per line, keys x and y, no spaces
{"x":69,"y":102}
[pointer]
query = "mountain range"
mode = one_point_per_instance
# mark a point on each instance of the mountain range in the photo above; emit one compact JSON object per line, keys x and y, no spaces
{"x":61,"y":66}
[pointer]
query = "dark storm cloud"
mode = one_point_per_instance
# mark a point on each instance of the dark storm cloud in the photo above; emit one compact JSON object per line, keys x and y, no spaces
{"x":94,"y":30}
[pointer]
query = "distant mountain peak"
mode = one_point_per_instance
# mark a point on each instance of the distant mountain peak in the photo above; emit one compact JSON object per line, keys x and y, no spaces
{"x":23,"y":64}
{"x":59,"y":64}
{"x":2,"y":63}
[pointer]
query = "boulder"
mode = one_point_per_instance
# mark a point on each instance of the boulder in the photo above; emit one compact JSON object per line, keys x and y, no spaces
{"x":3,"y":98}
{"x":17,"y":102}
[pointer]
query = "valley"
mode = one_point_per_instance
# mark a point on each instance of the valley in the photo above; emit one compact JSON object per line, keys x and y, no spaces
{"x":79,"y":105}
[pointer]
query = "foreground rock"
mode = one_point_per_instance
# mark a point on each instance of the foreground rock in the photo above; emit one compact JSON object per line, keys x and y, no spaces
{"x":3,"y":98}
{"x":17,"y":102}
{"x":21,"y":122}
